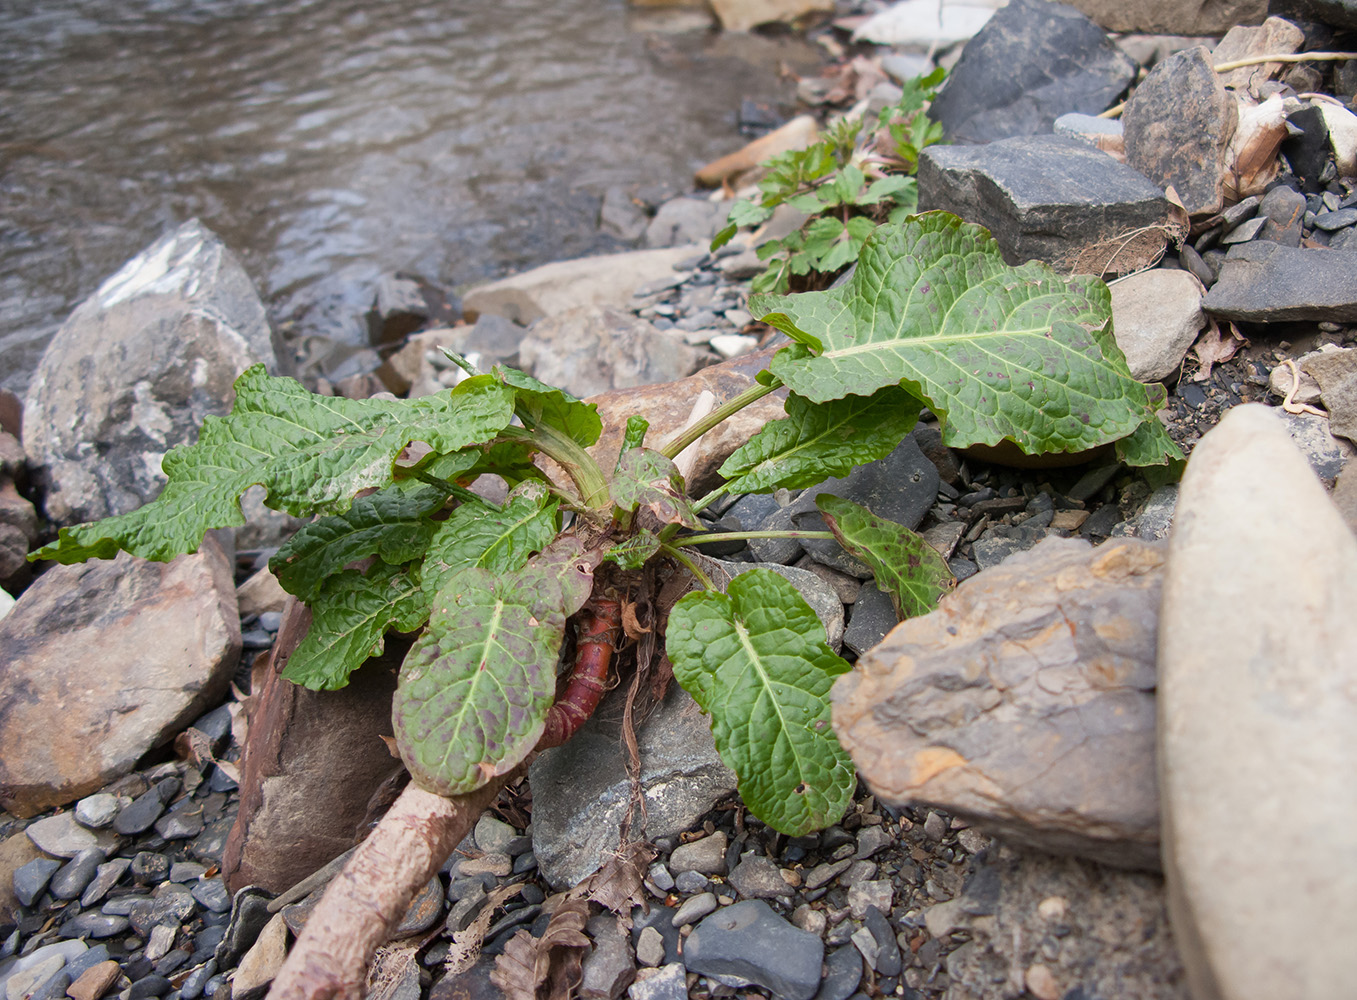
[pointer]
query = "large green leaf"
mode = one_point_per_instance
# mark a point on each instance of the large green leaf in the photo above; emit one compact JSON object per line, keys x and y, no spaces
{"x":996,"y":351}
{"x":543,"y":405}
{"x":1150,"y":444}
{"x":475,"y":688}
{"x":644,"y":478}
{"x":820,"y":440}
{"x":392,"y":523}
{"x":906,"y":567}
{"x":476,"y":534}
{"x":350,"y":615}
{"x":311,"y":453}
{"x":755,"y":658}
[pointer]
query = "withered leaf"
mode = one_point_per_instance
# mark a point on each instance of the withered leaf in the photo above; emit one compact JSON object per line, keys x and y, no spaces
{"x":617,"y":885}
{"x":545,"y":968}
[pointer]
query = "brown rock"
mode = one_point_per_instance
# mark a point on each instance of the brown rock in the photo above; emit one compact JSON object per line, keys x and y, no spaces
{"x":798,"y":133}
{"x":1273,"y":36}
{"x":105,"y":660}
{"x":1024,"y":703}
{"x":18,"y":533}
{"x":667,"y":408}
{"x":587,"y":350}
{"x":12,"y":457}
{"x":16,"y":851}
{"x":262,"y":962}
{"x":1178,"y":126}
{"x":1174,"y":17}
{"x":261,"y":592}
{"x":741,"y":15}
{"x":312,"y":763}
{"x":94,"y":981}
{"x":11,"y":413}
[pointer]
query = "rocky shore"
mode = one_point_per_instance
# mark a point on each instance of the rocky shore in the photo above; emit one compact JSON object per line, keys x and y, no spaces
{"x":1075,"y":773}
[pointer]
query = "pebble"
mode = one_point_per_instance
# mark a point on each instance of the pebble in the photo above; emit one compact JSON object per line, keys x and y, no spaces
{"x":149,"y":986}
{"x":24,"y":981}
{"x":694,"y":909}
{"x":935,"y":828}
{"x":95,"y":925}
{"x":493,"y":835}
{"x":97,"y":811}
{"x":186,"y":871}
{"x":211,"y":893}
{"x":77,"y":874}
{"x":866,"y":895}
{"x":755,"y":877}
{"x":106,"y":876}
{"x":749,"y":940}
{"x":650,"y":947}
{"x":658,"y":876}
{"x":690,"y":882}
{"x":488,"y":864}
{"x":193,"y":986}
{"x":161,"y":941}
{"x":94,"y":982}
{"x":149,"y":868}
{"x":823,"y":874}
{"x":872,"y":839}
{"x":62,"y":837}
{"x":31,"y":879}
{"x":707,"y":856}
{"x":141,"y":813}
{"x":843,"y":973}
{"x":670,"y":982}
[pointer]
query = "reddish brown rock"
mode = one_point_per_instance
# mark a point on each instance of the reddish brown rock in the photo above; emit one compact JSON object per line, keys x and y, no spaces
{"x":1024,"y":702}
{"x":95,"y":981}
{"x":312,"y":763}
{"x":105,"y":660}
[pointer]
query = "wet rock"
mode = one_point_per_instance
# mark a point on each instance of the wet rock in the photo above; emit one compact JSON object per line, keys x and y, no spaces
{"x":749,"y":940}
{"x":1178,"y":125}
{"x":668,"y":407}
{"x":312,"y":763}
{"x":1156,"y":315}
{"x":580,"y":790}
{"x":1051,"y":743}
{"x":1032,"y":62}
{"x":1050,"y":198}
{"x":134,"y":370}
{"x":798,"y":133}
{"x":1173,"y":17}
{"x":601,"y":282}
{"x":1263,"y":282}
{"x":685,"y":221}
{"x":1098,"y":931}
{"x":1242,"y":723}
{"x":164,"y":638}
{"x":741,"y":15}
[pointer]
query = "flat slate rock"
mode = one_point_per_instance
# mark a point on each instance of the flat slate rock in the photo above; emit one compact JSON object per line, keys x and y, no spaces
{"x":1050,"y":198}
{"x":752,"y":942}
{"x":1031,"y":63}
{"x":1258,"y":693}
{"x":1265,"y":282}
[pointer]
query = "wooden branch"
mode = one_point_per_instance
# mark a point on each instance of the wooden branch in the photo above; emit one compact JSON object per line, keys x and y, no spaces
{"x":369,"y":897}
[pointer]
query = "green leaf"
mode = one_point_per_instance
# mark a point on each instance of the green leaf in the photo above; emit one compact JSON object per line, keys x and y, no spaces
{"x":392,"y":523}
{"x":906,"y":567}
{"x":539,"y":404}
{"x":745,"y":214}
{"x":632,"y":552}
{"x":634,"y":436}
{"x":510,"y":460}
{"x":723,"y":236}
{"x":755,"y":658}
{"x":889,"y":186}
{"x":1150,"y":444}
{"x":476,"y":534}
{"x":475,"y":688}
{"x":996,"y":351}
{"x":819,"y":440}
{"x":646,"y":479}
{"x":311,"y":453}
{"x":350,"y":615}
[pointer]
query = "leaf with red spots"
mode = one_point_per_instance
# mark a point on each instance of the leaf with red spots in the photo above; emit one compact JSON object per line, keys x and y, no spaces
{"x":906,"y":567}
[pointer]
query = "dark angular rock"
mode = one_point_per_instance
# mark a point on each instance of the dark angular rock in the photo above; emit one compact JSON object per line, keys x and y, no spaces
{"x":249,"y":914}
{"x":149,"y":868}
{"x":212,"y":895}
{"x":1033,"y":62}
{"x":77,"y":873}
{"x":843,"y":972}
{"x":149,"y":986}
{"x":172,"y":903}
{"x":1308,"y":152}
{"x":1048,"y":198}
{"x":53,"y":987}
{"x":192,"y":987}
{"x":1284,"y":208}
{"x":31,"y":879}
{"x":1268,"y":283}
{"x":1178,"y":125}
{"x":140,"y":815}
{"x":86,"y":960}
{"x":888,"y":951}
{"x":1336,"y":13}
{"x":105,"y":878}
{"x":749,"y":940}
{"x":873,"y":616}
{"x":755,"y":877}
{"x":93,"y":924}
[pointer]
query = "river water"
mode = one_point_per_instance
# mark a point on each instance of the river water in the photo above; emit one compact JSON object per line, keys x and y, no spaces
{"x":329,"y":141}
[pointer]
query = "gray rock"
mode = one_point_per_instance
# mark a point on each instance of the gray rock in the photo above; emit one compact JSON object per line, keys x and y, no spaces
{"x":1263,"y":282}
{"x":140,"y":814}
{"x":681,"y":221}
{"x":78,"y":963}
{"x":1051,"y":198}
{"x":34,"y":980}
{"x":149,"y":868}
{"x":843,"y":973}
{"x":887,"y":951}
{"x":668,"y":983}
{"x":97,"y":811}
{"x":1156,"y":315}
{"x":1177,"y":126}
{"x":1339,"y":13}
{"x":31,"y":879}
{"x":707,"y":856}
{"x":493,"y":835}
{"x":1052,"y":743}
{"x":661,"y":918}
{"x":94,"y":924}
{"x":755,"y":877}
{"x":185,"y":820}
{"x":752,"y":942}
{"x":172,"y":902}
{"x":61,"y":835}
{"x":1155,"y":520}
{"x":105,"y":878}
{"x":1097,"y":931}
{"x":1001,"y":541}
{"x":650,"y":947}
{"x":1032,"y":62}
{"x":134,"y":370}
{"x":694,"y":909}
{"x":873,"y":617}
{"x":691,"y":882}
{"x":659,"y":876}
{"x":620,"y":215}
{"x":1174,"y":17}
{"x":186,"y":871}
{"x":77,"y":873}
{"x":588,"y":351}
{"x":1284,"y":209}
{"x":1256,"y":701}
{"x":165,"y":640}
{"x":608,"y":970}
{"x":192,"y":986}
{"x":581,"y":790}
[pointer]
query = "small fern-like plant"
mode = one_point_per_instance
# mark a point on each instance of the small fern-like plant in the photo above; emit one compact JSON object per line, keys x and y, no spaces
{"x":932,"y":317}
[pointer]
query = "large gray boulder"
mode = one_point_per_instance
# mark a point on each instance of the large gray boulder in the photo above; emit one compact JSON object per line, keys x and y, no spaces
{"x":1258,"y":721}
{"x":136,"y":368}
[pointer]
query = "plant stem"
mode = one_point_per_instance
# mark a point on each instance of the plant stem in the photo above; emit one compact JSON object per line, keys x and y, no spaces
{"x":730,"y":536}
{"x":710,"y":498}
{"x":689,"y":565}
{"x":577,"y":462}
{"x":716,"y":416}
{"x":452,"y":489}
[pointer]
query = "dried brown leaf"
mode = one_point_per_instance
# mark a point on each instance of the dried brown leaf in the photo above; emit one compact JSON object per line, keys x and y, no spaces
{"x":1251,"y":159}
{"x":1123,"y":253}
{"x":553,"y":960}
{"x":466,"y":944}
{"x":618,"y":885}
{"x":1212,"y":348}
{"x":390,"y":966}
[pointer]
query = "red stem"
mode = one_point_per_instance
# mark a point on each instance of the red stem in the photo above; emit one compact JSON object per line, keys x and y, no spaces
{"x":598,"y":637}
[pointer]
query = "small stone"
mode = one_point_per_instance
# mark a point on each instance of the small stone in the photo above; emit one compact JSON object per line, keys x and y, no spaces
{"x":186,"y":871}
{"x":609,"y":968}
{"x":423,"y":911}
{"x":749,"y":940}
{"x":212,"y":895}
{"x":95,"y":925}
{"x":23,"y":982}
{"x":888,"y":951}
{"x":825,"y":873}
{"x":161,"y":941}
{"x":172,"y":962}
{"x":658,"y":876}
{"x":77,"y":962}
{"x":650,"y":947}
{"x":706,"y":856}
{"x":694,"y":909}
{"x":192,"y":987}
{"x":1262,"y":282}
{"x":732,"y":345}
{"x":498,"y":865}
{"x":690,"y":882}
{"x":149,"y":986}
{"x":873,"y":617}
{"x":942,"y":918}
{"x":862,"y":895}
{"x":265,"y":957}
{"x":809,"y":919}
{"x":1157,"y":314}
{"x":140,"y":814}
{"x":97,"y":811}
{"x":934,"y":826}
{"x":77,"y":874}
{"x":182,"y":822}
{"x":1040,"y":983}
{"x":1284,"y":209}
{"x":172,"y":902}
{"x":1332,"y":221}
{"x":149,"y":868}
{"x":866,"y":944}
{"x":756,"y":877}
{"x":53,"y":987}
{"x":843,"y":973}
{"x":31,"y":879}
{"x":95,"y":981}
{"x":872,"y":839}
{"x":669,"y":982}
{"x":493,"y":835}
{"x":62,"y":837}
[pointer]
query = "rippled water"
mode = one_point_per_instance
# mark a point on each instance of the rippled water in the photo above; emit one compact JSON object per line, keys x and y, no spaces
{"x":329,"y":141}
